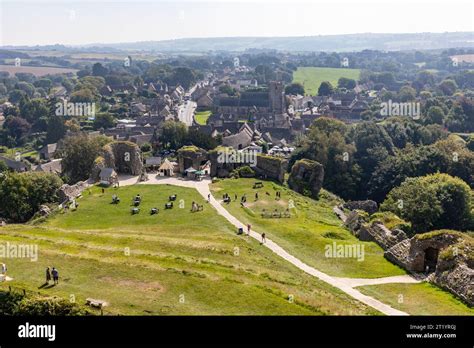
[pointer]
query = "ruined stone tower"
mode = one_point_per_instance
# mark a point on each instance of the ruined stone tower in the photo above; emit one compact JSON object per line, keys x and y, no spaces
{"x":277,"y":97}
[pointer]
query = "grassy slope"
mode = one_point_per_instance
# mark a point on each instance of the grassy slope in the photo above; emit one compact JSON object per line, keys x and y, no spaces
{"x":313,"y":225}
{"x":172,"y":254}
{"x":201,"y":117}
{"x":418,"y":299}
{"x":311,"y":77}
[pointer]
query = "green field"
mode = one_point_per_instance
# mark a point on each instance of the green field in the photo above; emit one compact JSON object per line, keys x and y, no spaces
{"x":311,"y":77}
{"x":202,"y":116}
{"x":418,"y":299}
{"x":313,"y":225}
{"x":173,"y":263}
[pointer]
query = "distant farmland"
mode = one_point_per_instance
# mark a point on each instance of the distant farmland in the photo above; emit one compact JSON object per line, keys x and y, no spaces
{"x":311,"y":77}
{"x":36,"y":70}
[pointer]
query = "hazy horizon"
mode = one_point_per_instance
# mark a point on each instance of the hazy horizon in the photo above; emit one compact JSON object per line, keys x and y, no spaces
{"x":110,"y":22}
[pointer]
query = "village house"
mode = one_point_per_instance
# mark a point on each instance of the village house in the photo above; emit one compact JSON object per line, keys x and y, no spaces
{"x":48,"y":151}
{"x":54,"y":166}
{"x":16,"y":166}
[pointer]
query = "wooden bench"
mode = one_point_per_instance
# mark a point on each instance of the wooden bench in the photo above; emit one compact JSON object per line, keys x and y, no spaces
{"x":258,"y":184}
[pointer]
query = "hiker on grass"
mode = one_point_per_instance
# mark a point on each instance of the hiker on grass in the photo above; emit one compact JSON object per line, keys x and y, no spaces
{"x":3,"y":269}
{"x":264,"y":240}
{"x":48,"y":275}
{"x":55,"y":274}
{"x":256,"y":196}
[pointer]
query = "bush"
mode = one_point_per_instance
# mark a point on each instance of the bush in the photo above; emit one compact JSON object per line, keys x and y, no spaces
{"x":12,"y":303}
{"x":146,"y":147}
{"x":437,"y":201}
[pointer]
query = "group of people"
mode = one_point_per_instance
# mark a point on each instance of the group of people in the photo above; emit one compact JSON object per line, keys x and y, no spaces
{"x":196,"y":207}
{"x":52,"y":274}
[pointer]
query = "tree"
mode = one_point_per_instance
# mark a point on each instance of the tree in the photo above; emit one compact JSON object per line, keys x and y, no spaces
{"x":346,"y":83}
{"x":16,"y":127}
{"x":325,"y":89}
{"x":448,"y":87}
{"x":3,"y":167}
{"x":295,"y":88}
{"x":406,"y":94}
{"x":56,"y":129}
{"x":200,"y":139}
{"x":431,"y":202}
{"x":79,"y":153}
{"x":26,"y":87}
{"x":82,"y":96}
{"x":104,"y":120}
{"x":435,"y":115}
{"x":22,"y":194}
{"x":32,"y":110}
{"x":173,"y":134}
{"x":99,"y":70}
{"x":182,"y":76}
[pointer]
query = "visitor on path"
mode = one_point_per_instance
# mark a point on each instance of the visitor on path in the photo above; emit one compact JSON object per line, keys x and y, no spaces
{"x":264,"y":240}
{"x":48,"y":275}
{"x":209,"y":198}
{"x":55,"y":274}
{"x":248,"y":229}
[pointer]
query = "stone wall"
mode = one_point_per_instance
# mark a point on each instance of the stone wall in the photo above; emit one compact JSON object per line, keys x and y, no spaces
{"x":454,"y":264}
{"x":306,"y":177}
{"x":271,"y":167}
{"x":191,"y":156}
{"x":123,"y":156}
{"x":69,"y":192}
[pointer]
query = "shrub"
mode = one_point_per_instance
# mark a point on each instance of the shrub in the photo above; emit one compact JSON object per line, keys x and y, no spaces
{"x":431,"y":202}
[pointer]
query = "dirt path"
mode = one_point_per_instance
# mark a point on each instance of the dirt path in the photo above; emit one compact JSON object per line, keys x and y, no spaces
{"x":344,"y":284}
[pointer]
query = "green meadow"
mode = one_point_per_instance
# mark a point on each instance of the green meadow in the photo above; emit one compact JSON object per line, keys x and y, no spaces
{"x":173,"y":263}
{"x":418,"y":299}
{"x":311,"y":77}
{"x":312,"y":228}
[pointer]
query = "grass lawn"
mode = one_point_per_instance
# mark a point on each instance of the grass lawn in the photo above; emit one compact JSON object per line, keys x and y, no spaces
{"x":312,"y":227}
{"x":311,"y":77}
{"x":172,"y":263}
{"x":202,"y":116}
{"x":418,"y":299}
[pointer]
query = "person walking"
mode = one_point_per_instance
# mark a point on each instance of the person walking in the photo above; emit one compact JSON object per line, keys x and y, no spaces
{"x":55,"y":274}
{"x":48,"y":275}
{"x":248,"y":229}
{"x":264,"y":240}
{"x":3,"y":269}
{"x":209,"y":198}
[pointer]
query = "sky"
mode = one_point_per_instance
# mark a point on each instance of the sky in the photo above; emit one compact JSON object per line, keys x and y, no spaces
{"x":39,"y":22}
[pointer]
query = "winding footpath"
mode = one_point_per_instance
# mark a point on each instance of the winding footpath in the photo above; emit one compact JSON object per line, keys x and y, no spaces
{"x":347,"y":285}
